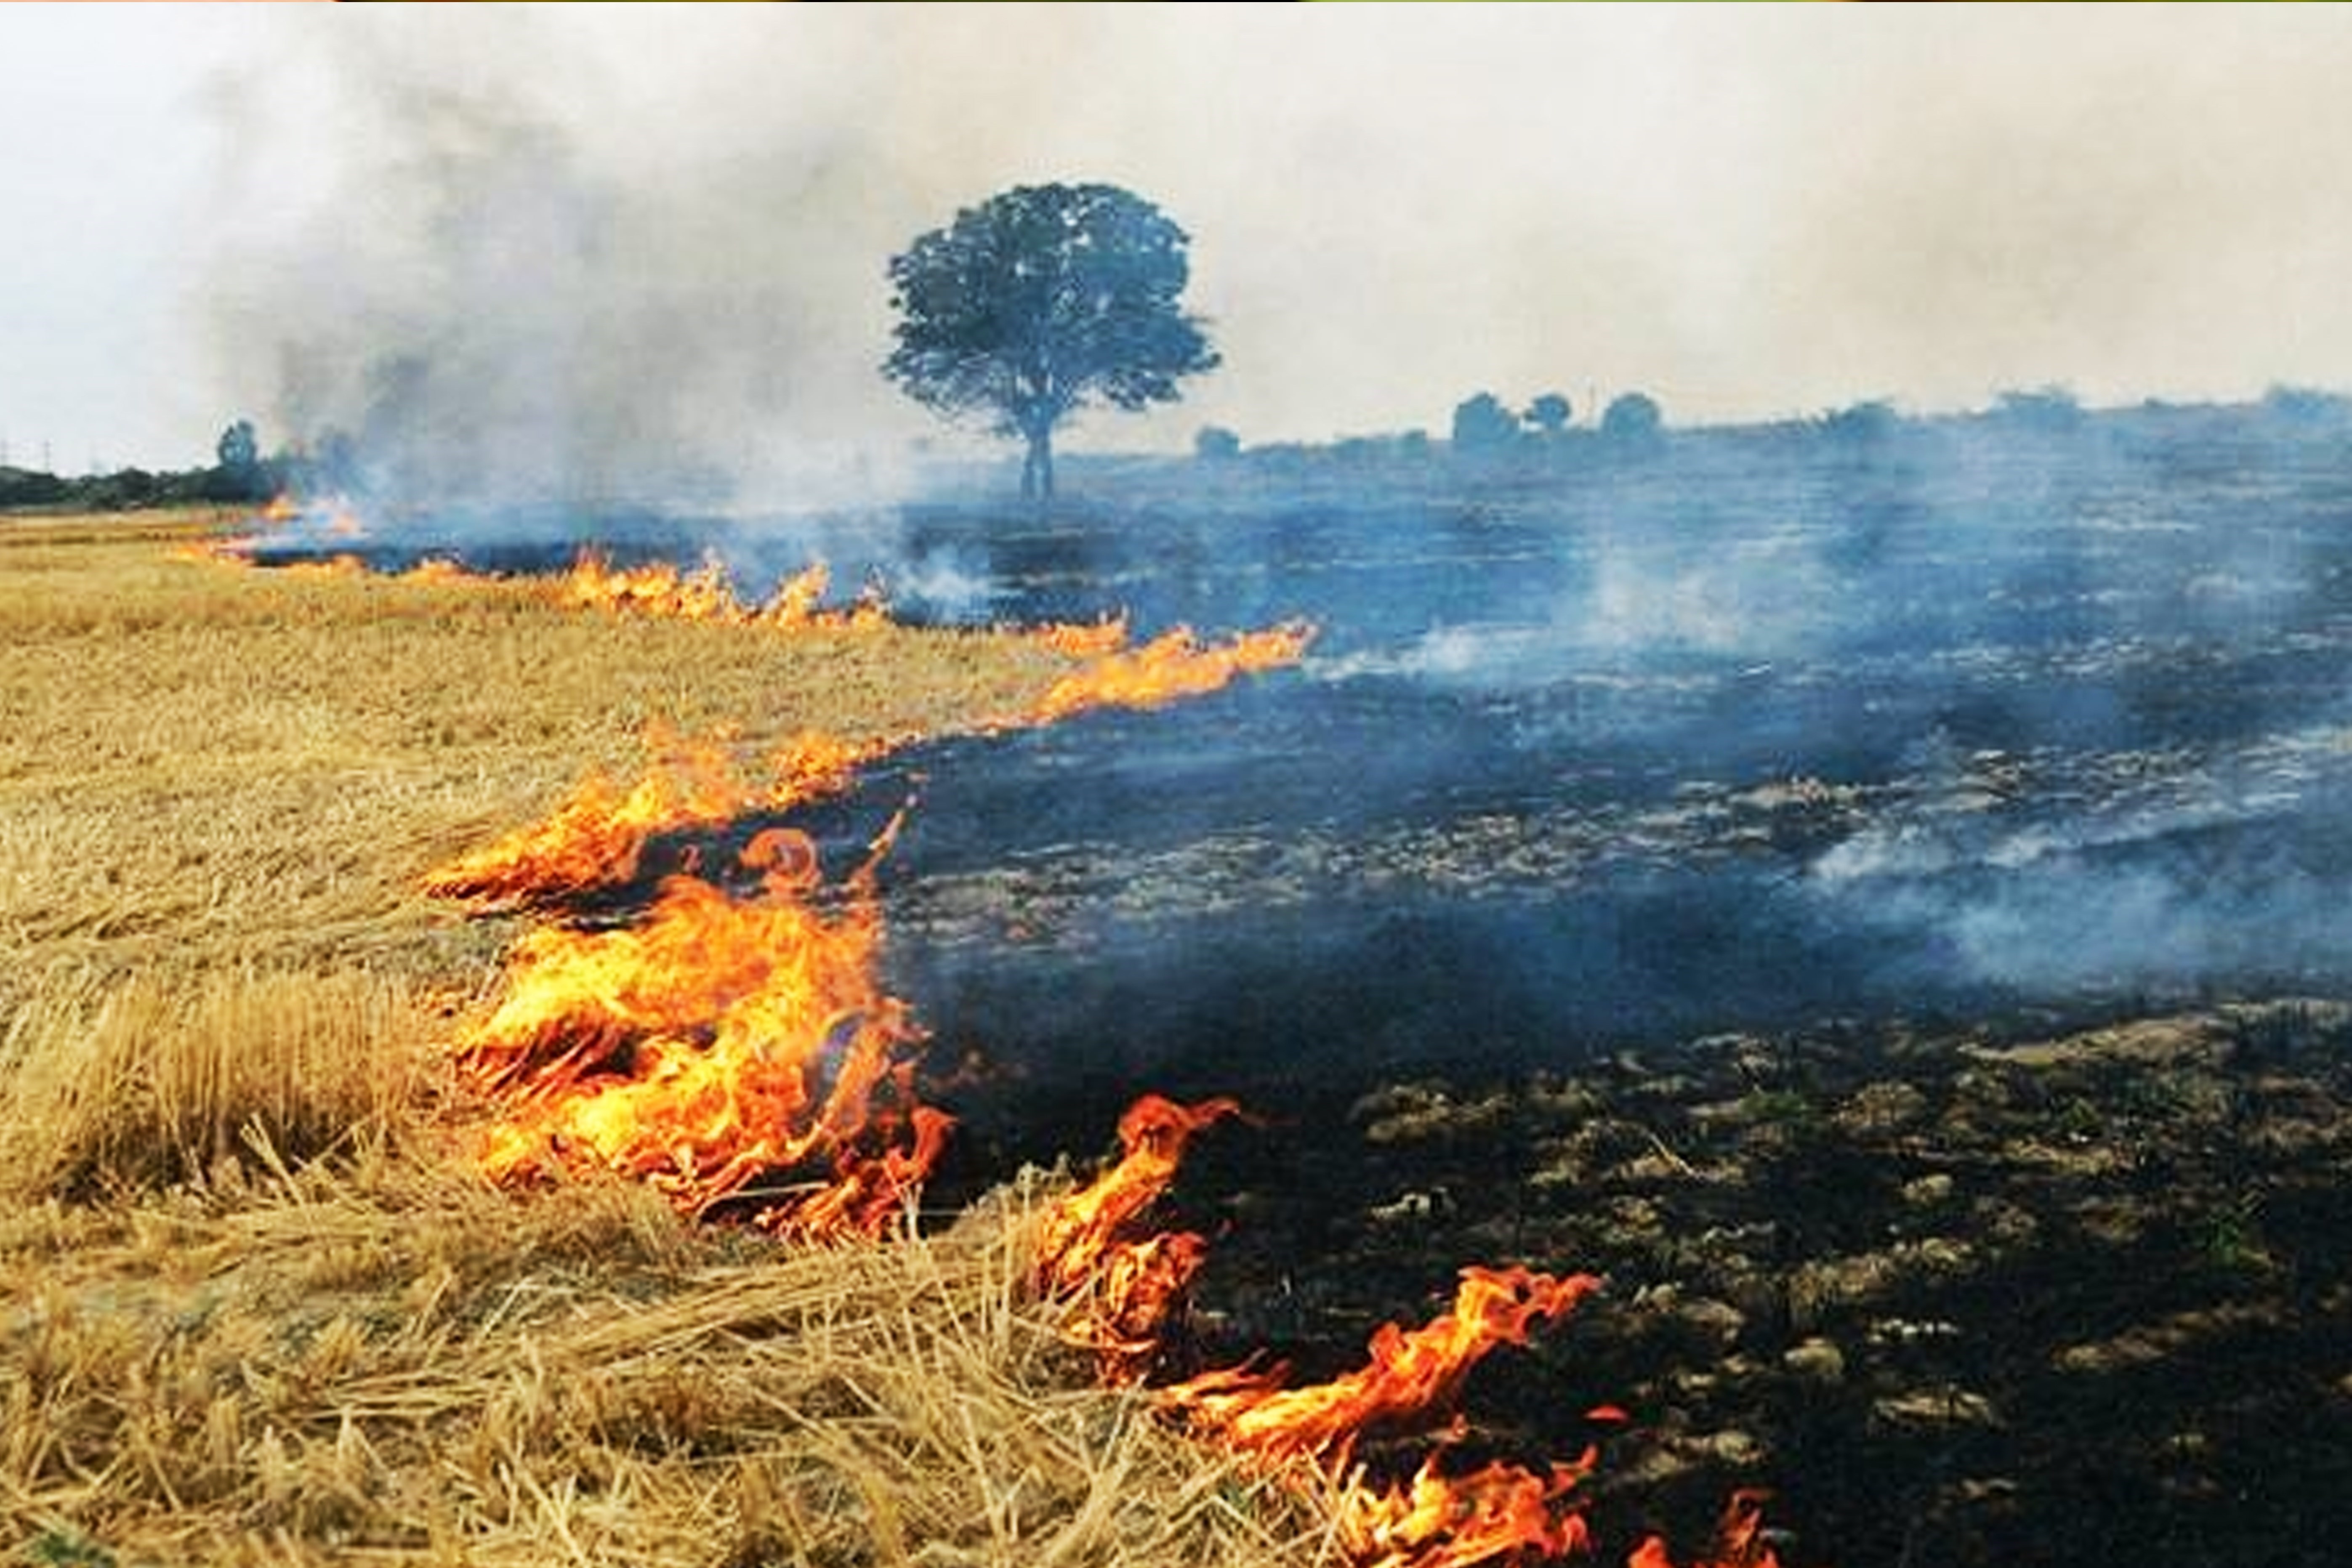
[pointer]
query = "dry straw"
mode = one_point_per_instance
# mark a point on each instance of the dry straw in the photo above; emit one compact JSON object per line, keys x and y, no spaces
{"x":250,"y":1312}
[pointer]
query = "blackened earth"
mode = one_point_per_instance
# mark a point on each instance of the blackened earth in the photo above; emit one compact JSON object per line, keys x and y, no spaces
{"x":1877,"y":901}
{"x":2007,"y":1296}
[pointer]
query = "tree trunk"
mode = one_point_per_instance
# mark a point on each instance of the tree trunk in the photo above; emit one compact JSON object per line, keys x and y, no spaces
{"x":1038,"y":466}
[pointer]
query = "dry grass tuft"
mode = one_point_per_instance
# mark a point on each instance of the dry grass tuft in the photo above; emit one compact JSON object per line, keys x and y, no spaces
{"x":152,"y":1081}
{"x":419,"y":1370}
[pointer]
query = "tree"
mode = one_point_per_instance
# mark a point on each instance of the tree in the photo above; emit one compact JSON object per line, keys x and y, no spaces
{"x":1632,"y":416}
{"x":1548,"y":414}
{"x":2307,"y":405}
{"x":1215,"y":444}
{"x":1481,"y":423}
{"x":240,"y":475}
{"x":1038,"y":302}
{"x":238,"y":449}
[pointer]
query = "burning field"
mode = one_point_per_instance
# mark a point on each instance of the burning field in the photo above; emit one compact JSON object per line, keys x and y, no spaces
{"x":1646,"y":1028}
{"x":255,"y":1305}
{"x":265,"y":1295}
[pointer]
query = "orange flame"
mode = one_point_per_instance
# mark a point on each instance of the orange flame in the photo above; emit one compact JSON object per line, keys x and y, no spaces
{"x":1739,"y":1539}
{"x":720,"y":1042}
{"x":596,"y":837}
{"x":565,"y":1024}
{"x":333,"y":566}
{"x":1082,"y":639}
{"x":1437,"y":1521}
{"x":659,"y":590}
{"x":234,"y":551}
{"x":1124,"y":1288}
{"x":1172,"y":666}
{"x":440,"y":572}
{"x":1410,"y":1374}
{"x":797,"y":597}
{"x":795,"y":606}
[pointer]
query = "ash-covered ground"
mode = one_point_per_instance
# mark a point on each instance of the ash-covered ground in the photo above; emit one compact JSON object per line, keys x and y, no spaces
{"x":1741,"y":733}
{"x":1845,"y":896}
{"x":1876,"y":897}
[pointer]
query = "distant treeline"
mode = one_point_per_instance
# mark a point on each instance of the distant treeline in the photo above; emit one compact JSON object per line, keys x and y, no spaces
{"x":1488,"y":436}
{"x":238,"y":475}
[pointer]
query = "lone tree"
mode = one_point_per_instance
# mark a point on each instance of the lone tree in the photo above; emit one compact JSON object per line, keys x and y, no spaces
{"x":1548,"y":414}
{"x":1042,"y":299}
{"x":240,"y":475}
{"x":238,"y":449}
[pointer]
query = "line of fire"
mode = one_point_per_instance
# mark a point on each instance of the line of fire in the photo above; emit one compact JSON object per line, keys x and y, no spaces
{"x":721,"y":1030}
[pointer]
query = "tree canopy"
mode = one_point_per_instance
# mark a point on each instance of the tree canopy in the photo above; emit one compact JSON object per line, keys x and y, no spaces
{"x":1633,"y":416}
{"x":1040,"y":300}
{"x":1481,"y":423}
{"x":1548,"y":413}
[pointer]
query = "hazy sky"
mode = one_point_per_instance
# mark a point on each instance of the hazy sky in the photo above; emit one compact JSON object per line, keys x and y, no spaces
{"x":608,"y":230}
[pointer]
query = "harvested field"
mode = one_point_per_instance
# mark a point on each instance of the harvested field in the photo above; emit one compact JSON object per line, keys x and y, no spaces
{"x":1967,"y":1273}
{"x":253,"y":1310}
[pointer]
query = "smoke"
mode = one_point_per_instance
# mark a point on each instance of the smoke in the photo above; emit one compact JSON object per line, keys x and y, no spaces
{"x":627,"y":254}
{"x":643,"y":251}
{"x":2072,"y":925}
{"x":2163,"y":867}
{"x":1754,"y":727}
{"x":459,"y":260}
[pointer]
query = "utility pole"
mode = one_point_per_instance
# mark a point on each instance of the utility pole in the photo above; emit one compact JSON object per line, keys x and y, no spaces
{"x":48,"y":464}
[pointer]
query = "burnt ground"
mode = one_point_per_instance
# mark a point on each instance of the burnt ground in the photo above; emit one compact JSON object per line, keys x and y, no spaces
{"x":1510,"y":913}
{"x":2013,"y":1296}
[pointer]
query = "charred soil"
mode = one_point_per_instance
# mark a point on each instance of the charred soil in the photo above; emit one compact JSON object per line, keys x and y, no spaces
{"x":2019,"y":1293}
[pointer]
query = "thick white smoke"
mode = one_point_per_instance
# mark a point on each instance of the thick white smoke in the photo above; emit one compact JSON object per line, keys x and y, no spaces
{"x":590,"y":246}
